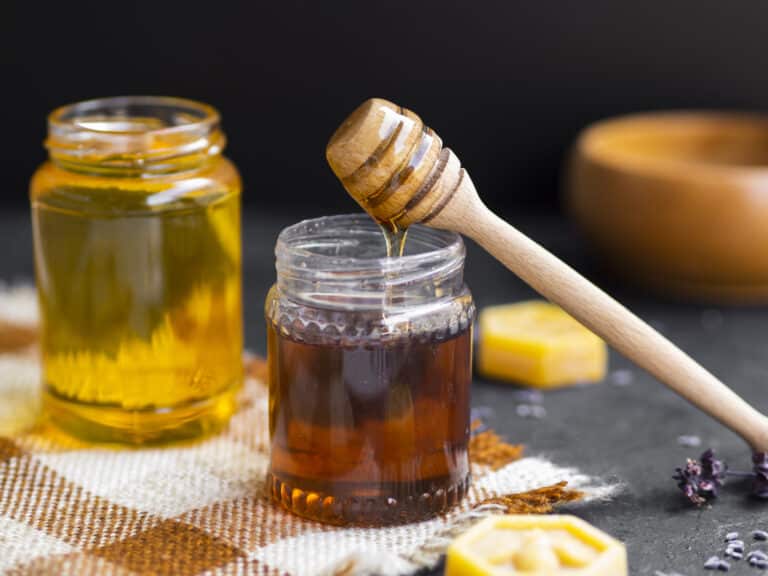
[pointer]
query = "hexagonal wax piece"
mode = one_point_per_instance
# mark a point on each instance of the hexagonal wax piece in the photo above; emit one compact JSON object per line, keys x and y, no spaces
{"x":538,"y":344}
{"x":536,"y":545}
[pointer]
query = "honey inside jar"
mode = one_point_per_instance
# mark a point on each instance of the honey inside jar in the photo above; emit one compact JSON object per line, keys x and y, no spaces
{"x":136,"y":222}
{"x":370,"y":370}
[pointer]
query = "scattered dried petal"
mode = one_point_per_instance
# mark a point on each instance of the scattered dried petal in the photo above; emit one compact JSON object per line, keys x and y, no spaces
{"x":689,"y":440}
{"x":712,"y":563}
{"x":621,"y":377}
{"x":531,"y":411}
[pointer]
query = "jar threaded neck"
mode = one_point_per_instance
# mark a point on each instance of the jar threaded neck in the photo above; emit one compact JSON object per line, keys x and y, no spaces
{"x":134,"y":134}
{"x":340,"y":262}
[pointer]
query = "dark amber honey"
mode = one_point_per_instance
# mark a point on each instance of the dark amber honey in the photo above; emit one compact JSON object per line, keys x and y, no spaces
{"x":368,"y":431}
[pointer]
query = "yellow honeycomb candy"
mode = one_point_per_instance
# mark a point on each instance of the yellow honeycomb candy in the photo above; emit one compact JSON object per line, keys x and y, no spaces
{"x":538,"y":344}
{"x":536,"y":545}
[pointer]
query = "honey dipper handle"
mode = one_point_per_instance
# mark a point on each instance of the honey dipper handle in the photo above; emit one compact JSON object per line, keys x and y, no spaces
{"x":627,"y":333}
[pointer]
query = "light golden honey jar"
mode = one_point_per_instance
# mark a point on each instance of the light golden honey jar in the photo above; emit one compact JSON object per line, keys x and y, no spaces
{"x":136,"y":219}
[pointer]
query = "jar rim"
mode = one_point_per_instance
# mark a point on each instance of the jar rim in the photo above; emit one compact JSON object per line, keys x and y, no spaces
{"x":126,"y":130}
{"x":58,"y":117}
{"x":293,"y":241}
{"x":340,"y":262}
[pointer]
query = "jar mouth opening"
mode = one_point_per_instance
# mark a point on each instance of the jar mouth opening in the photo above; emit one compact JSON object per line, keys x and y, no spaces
{"x":355,"y":243}
{"x":112,"y":115}
{"x":340,"y":262}
{"x":122,"y":130}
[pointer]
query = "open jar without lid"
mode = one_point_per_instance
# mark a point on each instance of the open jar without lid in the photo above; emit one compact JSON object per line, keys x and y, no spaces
{"x":370,"y":370}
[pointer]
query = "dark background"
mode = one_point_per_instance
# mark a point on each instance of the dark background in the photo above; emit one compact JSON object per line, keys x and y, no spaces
{"x":507,"y":84}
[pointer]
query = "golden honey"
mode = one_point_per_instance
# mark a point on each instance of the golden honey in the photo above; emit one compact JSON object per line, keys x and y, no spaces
{"x":136,"y":220}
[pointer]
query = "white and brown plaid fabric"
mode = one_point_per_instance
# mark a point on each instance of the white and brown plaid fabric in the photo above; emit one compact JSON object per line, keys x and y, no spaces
{"x":67,"y":508}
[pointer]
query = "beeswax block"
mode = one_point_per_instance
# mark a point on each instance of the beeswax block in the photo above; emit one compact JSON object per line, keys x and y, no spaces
{"x":538,"y":344}
{"x":542,"y":545}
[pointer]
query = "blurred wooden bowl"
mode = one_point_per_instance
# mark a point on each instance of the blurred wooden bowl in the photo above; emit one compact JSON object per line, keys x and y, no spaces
{"x":678,"y":201}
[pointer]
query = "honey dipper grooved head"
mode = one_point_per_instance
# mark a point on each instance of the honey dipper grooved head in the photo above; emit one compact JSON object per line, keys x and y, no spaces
{"x":393,"y":165}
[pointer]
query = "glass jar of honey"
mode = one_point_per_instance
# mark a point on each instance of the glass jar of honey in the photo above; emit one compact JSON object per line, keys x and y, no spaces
{"x":370,"y":371}
{"x":136,"y":219}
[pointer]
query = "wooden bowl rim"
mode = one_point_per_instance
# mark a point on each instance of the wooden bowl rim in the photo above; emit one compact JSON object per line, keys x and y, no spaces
{"x":585,"y":146}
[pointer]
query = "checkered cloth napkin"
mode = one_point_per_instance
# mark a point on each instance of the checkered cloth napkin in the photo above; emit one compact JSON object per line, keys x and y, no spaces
{"x":66,"y":508}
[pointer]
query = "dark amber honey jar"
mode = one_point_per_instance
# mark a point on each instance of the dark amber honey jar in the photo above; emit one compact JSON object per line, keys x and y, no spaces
{"x":370,"y":371}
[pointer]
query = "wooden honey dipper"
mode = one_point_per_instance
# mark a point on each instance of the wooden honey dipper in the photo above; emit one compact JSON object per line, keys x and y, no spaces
{"x":397,"y":169}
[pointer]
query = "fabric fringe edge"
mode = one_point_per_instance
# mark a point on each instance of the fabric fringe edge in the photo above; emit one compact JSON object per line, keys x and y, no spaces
{"x":370,"y":562}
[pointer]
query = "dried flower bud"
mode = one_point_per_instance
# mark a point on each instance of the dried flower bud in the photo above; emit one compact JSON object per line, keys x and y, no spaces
{"x":701,"y":480}
{"x":713,"y":472}
{"x":760,"y":482}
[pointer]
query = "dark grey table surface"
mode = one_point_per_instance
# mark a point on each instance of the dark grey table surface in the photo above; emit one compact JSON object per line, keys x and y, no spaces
{"x":624,"y":433}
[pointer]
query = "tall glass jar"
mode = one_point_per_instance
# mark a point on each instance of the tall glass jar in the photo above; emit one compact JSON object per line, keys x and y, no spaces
{"x":370,"y":370}
{"x":136,"y":219}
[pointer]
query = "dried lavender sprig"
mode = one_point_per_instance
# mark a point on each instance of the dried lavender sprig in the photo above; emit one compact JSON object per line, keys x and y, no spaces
{"x":701,"y":480}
